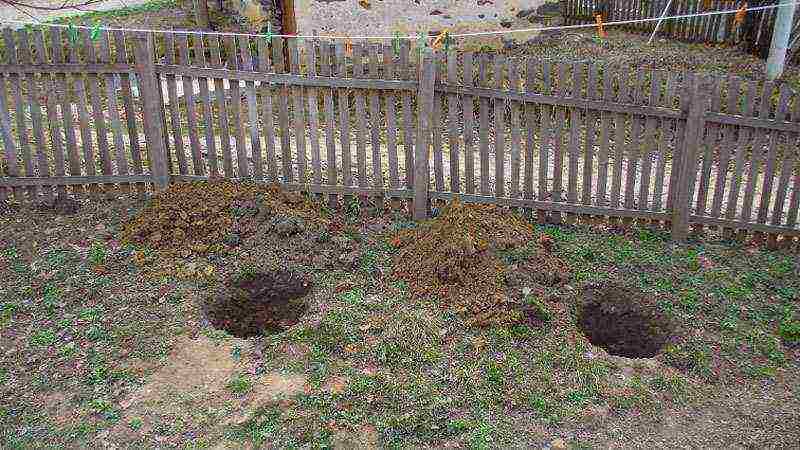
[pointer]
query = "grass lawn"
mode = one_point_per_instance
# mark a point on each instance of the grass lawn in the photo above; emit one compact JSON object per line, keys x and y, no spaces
{"x":104,"y":343}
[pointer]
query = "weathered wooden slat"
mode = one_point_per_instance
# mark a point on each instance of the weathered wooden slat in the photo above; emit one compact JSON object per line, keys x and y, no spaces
{"x":605,"y":137}
{"x":391,"y":119}
{"x":683,"y":100}
{"x":361,"y":116}
{"x":344,"y":118}
{"x":575,"y":127}
{"x":66,"y":68}
{"x":127,"y":101}
{"x":48,"y":84}
{"x":83,"y":117}
{"x":324,"y":189}
{"x":593,"y":79}
{"x":19,"y":107}
{"x":408,"y":116}
{"x":313,"y":113}
{"x":741,"y":151}
{"x":728,"y":133}
{"x":98,"y":116}
{"x":279,"y":66}
{"x":452,"y":124}
{"x":222,"y":108}
{"x":756,"y":155}
{"x":252,"y":108}
{"x":233,"y":62}
{"x":9,"y":145}
{"x":516,"y":131}
{"x":712,"y":136}
{"x":530,"y":130}
{"x":650,"y":145}
{"x":634,"y":151}
{"x":749,"y":226}
{"x":468,"y":113}
{"x":298,"y":116}
{"x":267,"y":113}
{"x":436,"y":127}
{"x":769,"y":170}
{"x":427,"y":78}
{"x":120,"y":157}
{"x":191,"y":111}
{"x":620,"y":146}
{"x":483,"y":127}
{"x":174,"y":107}
{"x":375,"y":119}
{"x":788,"y":163}
{"x":207,"y":108}
{"x":499,"y":130}
{"x":326,"y":63}
{"x":545,"y":148}
{"x":33,"y":91}
{"x":563,"y":70}
{"x":666,"y":138}
{"x":61,"y":90}
{"x":72,"y":180}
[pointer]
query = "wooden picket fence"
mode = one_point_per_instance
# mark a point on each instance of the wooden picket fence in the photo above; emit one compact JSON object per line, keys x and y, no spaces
{"x":567,"y":141}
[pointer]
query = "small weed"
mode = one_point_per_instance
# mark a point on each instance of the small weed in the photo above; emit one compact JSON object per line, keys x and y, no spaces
{"x":3,"y":375}
{"x":239,"y":384}
{"x":43,"y":338}
{"x":136,"y":423}
{"x":457,"y":426}
{"x":97,"y":254}
{"x":789,"y":331}
{"x":539,"y":307}
{"x":353,"y":296}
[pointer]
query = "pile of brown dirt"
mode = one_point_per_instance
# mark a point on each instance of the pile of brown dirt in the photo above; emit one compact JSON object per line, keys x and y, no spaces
{"x":199,"y":217}
{"x":455,"y":258}
{"x":255,"y":303}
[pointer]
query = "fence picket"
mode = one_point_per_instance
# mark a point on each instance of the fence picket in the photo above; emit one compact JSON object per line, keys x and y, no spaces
{"x":712,"y":137}
{"x":222,"y":108}
{"x":468,"y":112}
{"x":32,"y":83}
{"x":591,"y":136}
{"x":233,"y":63}
{"x":191,"y":112}
{"x":634,"y":147}
{"x":361,"y":116}
{"x":605,"y":136}
{"x":558,"y":140}
{"x":279,"y":66}
{"x":546,"y":140}
{"x":667,"y":136}
{"x":483,"y":128}
{"x":728,"y":133}
{"x":97,"y":106}
{"x":620,"y":128}
{"x":516,"y":138}
{"x":9,"y":146}
{"x":436,"y":125}
{"x":267,"y":111}
{"x":769,"y":171}
{"x":120,"y":157}
{"x":174,"y":107}
{"x":756,"y":155}
{"x":391,"y":118}
{"x":530,"y":129}
{"x":408,"y":115}
{"x":789,"y":158}
{"x":375,"y":119}
{"x":741,"y":150}
{"x":249,"y":65}
{"x":499,"y":130}
{"x":344,"y":117}
{"x":649,"y":143}
{"x":298,"y":115}
{"x":452,"y":123}
{"x":127,"y":102}
{"x":83,"y":117}
{"x":19,"y":108}
{"x":51,"y":100}
{"x":313,"y":114}
{"x":326,"y":63}
{"x":576,"y":123}
{"x":207,"y":108}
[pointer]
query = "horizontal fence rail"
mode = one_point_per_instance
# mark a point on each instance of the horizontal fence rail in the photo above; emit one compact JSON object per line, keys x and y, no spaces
{"x":570,"y":141}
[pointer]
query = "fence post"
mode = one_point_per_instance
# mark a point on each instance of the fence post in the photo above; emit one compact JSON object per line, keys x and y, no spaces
{"x":422,"y":177}
{"x":149,"y":89}
{"x":687,"y":162}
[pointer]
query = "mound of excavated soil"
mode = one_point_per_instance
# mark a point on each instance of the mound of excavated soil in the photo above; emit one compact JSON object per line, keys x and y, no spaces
{"x":199,"y":217}
{"x":455,"y":259}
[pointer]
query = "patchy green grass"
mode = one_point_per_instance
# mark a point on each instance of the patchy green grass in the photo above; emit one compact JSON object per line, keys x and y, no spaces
{"x":89,"y":335}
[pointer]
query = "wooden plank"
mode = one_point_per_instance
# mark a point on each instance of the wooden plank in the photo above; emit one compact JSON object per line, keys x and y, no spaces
{"x":120,"y":156}
{"x":728,"y":134}
{"x":61,"y":89}
{"x":683,"y":100}
{"x":21,"y":106}
{"x":65,"y":68}
{"x":375,"y":119}
{"x":391,"y":119}
{"x":361,"y":116}
{"x":16,"y":182}
{"x":298,"y":116}
{"x":483,"y":127}
{"x":756,"y":155}
{"x":436,"y":127}
{"x":650,"y":146}
{"x":558,"y":135}
{"x":313,"y":113}
{"x":9,"y":145}
{"x":426,"y":98}
{"x":233,"y":63}
{"x":530,"y":130}
{"x":468,"y":113}
{"x":127,"y":102}
{"x":499,"y":130}
{"x":408,"y":116}
{"x":344,"y":118}
{"x":605,"y":136}
{"x":664,"y":142}
{"x":207,"y":108}
{"x":267,"y":114}
{"x":741,"y":151}
{"x":252,"y":108}
{"x":575,"y":126}
{"x":153,"y":117}
{"x":174,"y":106}
{"x":546,"y":139}
{"x":222,"y":108}
{"x":191,"y":110}
{"x":712,"y":137}
{"x":98,"y":117}
{"x":51,"y":100}
{"x":326,"y":63}
{"x":789,"y":160}
{"x":769,"y":171}
{"x":591,"y":134}
{"x":634,"y":151}
{"x":83,"y":117}
{"x":516,"y":131}
{"x":620,"y":145}
{"x":452,"y":124}
{"x":279,"y":66}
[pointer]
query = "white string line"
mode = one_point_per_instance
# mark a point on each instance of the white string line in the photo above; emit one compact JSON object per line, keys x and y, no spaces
{"x":401,"y":37}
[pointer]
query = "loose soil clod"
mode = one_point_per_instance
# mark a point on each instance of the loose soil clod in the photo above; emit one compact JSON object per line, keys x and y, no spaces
{"x":615,"y":320}
{"x":255,"y":303}
{"x":454,"y":258}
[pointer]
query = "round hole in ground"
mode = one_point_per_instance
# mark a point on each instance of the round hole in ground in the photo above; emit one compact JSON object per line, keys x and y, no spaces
{"x":258,"y":303}
{"x":616,"y":320}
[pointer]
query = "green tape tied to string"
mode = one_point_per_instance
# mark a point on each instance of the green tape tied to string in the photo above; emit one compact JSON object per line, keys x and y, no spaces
{"x":94,"y":34}
{"x":72,"y":33}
